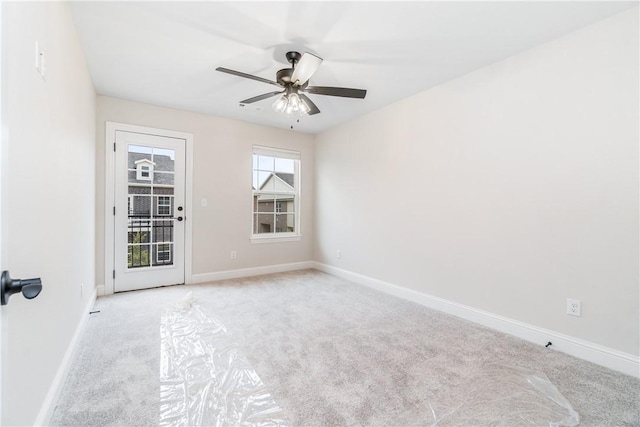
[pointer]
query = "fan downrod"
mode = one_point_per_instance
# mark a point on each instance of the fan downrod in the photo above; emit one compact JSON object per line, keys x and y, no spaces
{"x":293,"y":58}
{"x":284,"y":76}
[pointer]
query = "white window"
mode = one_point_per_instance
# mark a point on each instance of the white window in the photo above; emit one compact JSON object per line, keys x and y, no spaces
{"x":276,"y":194}
{"x":163,"y":254}
{"x":143,"y":169}
{"x":164,"y":205}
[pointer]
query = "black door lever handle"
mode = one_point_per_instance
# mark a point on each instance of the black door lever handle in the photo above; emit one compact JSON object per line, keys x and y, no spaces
{"x":30,"y":288}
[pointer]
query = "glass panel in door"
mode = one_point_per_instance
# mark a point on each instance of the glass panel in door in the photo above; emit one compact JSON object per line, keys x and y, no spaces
{"x":150,"y":194}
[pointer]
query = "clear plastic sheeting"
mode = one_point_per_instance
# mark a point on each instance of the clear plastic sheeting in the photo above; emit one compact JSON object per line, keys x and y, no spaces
{"x":501,"y":395}
{"x":204,"y":378}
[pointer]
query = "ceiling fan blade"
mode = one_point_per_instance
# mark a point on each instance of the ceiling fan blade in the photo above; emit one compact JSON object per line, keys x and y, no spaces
{"x":345,"y":92}
{"x":246,"y":76}
{"x":260,"y":97}
{"x":305,"y":68}
{"x":313,"y":108}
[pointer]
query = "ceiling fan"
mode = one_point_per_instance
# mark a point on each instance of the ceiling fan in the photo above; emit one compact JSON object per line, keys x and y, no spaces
{"x":294,"y":83}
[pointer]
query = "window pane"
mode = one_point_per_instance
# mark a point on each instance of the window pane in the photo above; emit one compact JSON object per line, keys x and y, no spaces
{"x":136,"y":153}
{"x":133,"y":178}
{"x":284,"y":165}
{"x":262,"y":223}
{"x":274,"y":183}
{"x":163,"y":178}
{"x":163,"y":231}
{"x":285,"y":223}
{"x":284,"y":203}
{"x":163,"y":191}
{"x":139,"y":205}
{"x":264,"y":203}
{"x":163,"y":159}
{"x":266,"y":163}
{"x":266,"y":181}
{"x":139,"y":231}
{"x":163,"y":206}
{"x":163,"y":254}
{"x":286,"y":181}
{"x":138,"y":256}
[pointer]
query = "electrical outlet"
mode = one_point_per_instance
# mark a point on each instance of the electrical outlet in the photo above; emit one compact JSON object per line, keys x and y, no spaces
{"x":81,"y":289}
{"x":233,"y":254}
{"x":573,"y":307}
{"x":339,"y":254}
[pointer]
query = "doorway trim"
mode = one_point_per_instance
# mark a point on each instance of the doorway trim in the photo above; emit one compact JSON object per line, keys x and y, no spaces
{"x":109,"y":197}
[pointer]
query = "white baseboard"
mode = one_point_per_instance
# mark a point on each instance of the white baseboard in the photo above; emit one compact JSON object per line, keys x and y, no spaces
{"x":46,"y":410}
{"x":253,"y":271}
{"x":601,"y":355}
{"x":100,"y":290}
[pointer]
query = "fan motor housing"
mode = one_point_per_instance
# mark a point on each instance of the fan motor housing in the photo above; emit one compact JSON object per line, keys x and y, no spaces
{"x":284,"y":76}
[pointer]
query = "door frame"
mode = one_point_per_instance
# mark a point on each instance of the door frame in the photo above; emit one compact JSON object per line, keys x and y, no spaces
{"x":109,"y":197}
{"x":4,"y":134}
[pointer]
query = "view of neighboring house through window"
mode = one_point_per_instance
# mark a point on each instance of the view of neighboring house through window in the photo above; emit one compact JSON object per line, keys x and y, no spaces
{"x":143,"y":169}
{"x":164,"y":205}
{"x":275,"y":192}
{"x":163,"y":254}
{"x":150,"y":206}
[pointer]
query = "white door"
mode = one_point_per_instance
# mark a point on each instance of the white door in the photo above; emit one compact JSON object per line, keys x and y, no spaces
{"x":3,"y":166}
{"x":150,"y":216}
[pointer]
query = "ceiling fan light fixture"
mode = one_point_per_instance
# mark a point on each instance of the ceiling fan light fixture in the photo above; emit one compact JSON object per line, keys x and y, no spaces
{"x":294,"y":79}
{"x":294,"y":102}
{"x":281,"y":104}
{"x":290,"y":109}
{"x":304,"y":108}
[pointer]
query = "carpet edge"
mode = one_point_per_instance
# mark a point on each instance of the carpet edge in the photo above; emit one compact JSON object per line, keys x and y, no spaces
{"x":604,"y":356}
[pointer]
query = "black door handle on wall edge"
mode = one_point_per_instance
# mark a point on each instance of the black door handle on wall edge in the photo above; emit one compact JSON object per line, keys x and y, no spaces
{"x":30,"y":288}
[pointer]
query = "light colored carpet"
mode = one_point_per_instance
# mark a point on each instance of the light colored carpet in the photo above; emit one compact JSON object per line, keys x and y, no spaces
{"x":330,"y":352}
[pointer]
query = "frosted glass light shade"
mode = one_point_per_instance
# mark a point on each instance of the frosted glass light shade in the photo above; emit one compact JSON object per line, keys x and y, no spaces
{"x":280,"y":104}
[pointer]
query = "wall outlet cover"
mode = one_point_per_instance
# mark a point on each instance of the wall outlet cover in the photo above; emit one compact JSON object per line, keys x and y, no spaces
{"x":573,"y":307}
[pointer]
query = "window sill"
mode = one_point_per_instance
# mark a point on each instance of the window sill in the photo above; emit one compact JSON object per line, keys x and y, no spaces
{"x":276,"y":239}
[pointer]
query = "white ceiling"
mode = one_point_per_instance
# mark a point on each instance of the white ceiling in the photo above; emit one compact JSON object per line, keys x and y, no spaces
{"x":165,"y":53}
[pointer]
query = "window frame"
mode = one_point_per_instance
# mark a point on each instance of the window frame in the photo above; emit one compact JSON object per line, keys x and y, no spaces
{"x":158,"y":205}
{"x":143,"y":167}
{"x":286,"y":236}
{"x":169,"y":260}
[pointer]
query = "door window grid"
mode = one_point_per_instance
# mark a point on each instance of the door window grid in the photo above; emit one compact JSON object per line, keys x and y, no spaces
{"x":150,"y":232}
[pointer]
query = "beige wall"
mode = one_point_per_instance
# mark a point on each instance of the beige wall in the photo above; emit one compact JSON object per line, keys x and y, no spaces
{"x":221,"y":174}
{"x":47,"y":200}
{"x":507,"y":190}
